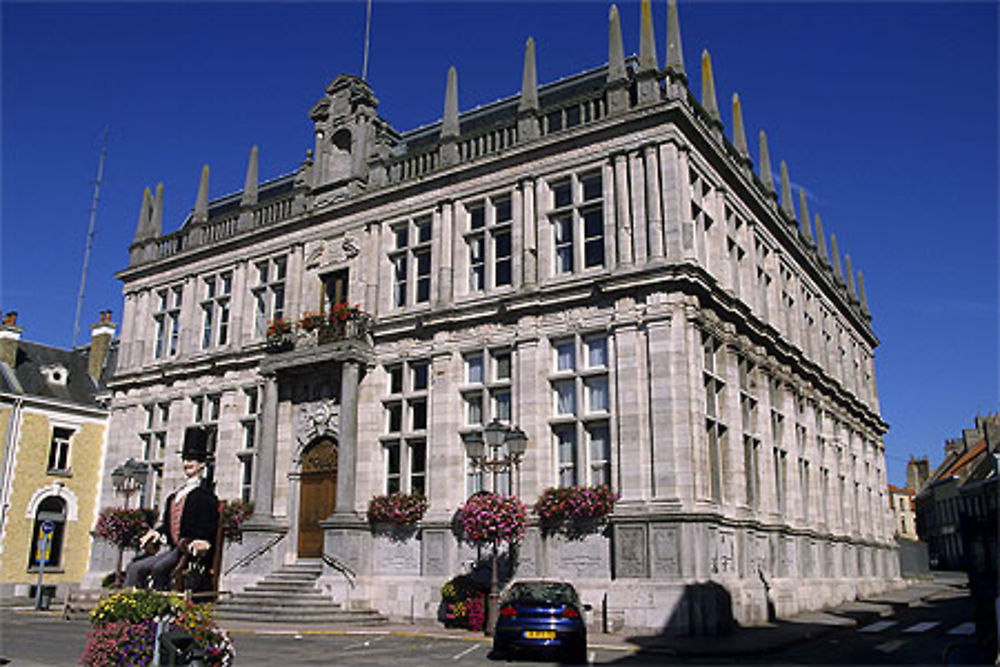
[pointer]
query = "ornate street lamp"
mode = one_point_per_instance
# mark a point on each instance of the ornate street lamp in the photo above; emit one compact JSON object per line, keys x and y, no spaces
{"x":495,"y":435}
{"x":127,"y":478}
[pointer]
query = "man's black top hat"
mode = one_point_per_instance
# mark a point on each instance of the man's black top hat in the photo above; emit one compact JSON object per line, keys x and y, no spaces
{"x":195,"y":444}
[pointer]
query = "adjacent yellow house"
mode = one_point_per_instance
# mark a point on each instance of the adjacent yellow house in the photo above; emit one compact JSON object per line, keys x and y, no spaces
{"x":53,"y":425}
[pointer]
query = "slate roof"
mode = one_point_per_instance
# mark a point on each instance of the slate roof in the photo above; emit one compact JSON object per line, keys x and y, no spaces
{"x":27,"y":379}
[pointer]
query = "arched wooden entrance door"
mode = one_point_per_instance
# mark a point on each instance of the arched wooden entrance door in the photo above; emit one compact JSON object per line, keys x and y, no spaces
{"x":317,"y":495}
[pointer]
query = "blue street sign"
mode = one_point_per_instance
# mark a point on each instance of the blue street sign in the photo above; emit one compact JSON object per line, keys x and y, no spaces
{"x":48,"y":527}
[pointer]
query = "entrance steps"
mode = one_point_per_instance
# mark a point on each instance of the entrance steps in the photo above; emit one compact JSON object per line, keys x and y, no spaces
{"x":290,"y":595}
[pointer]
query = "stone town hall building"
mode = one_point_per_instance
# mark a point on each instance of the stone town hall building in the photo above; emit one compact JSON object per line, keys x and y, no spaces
{"x":593,"y":260}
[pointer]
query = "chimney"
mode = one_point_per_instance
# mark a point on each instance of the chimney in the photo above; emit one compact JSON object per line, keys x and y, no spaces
{"x":10,"y":333}
{"x":100,"y":338}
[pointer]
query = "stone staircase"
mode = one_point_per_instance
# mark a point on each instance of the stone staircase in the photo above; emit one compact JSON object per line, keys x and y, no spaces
{"x":290,"y":595}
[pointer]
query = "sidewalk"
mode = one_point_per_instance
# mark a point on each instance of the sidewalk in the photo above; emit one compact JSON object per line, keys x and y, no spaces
{"x":741,"y":642}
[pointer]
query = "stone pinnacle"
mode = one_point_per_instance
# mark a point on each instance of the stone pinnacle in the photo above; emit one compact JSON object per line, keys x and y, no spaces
{"x":804,"y":218}
{"x":249,"y":197}
{"x":849,"y":274}
{"x":821,"y":240}
{"x":835,"y":258}
{"x":201,"y":203}
{"x":765,"y":164}
{"x":142,"y":226}
{"x":156,"y":222}
{"x":616,"y":50}
{"x":675,"y":54}
{"x":739,"y":134}
{"x":529,"y":80}
{"x":449,"y":125}
{"x":647,"y":40}
{"x":708,"y":87}
{"x":861,"y":292}
{"x":786,"y":193}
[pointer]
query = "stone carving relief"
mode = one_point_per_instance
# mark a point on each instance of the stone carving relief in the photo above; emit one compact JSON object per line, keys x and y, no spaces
{"x":395,"y":557}
{"x":724,"y":553}
{"x":434,"y":554}
{"x":666,"y":560}
{"x":631,"y":547}
{"x":331,"y":251}
{"x":581,"y":558}
{"x":314,"y":420}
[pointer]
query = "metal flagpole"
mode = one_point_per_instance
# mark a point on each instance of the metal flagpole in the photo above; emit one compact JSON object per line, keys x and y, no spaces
{"x":90,"y":234}
{"x":368,"y":27}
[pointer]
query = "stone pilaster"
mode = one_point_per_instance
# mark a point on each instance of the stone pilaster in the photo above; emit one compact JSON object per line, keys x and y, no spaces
{"x":654,"y":207}
{"x":610,"y":227}
{"x":525,"y":197}
{"x":267,"y":449}
{"x":347,"y":447}
{"x":622,"y":212}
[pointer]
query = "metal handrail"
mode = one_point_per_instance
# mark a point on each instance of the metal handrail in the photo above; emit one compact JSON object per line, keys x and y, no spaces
{"x":341,"y":567}
{"x":252,"y":556}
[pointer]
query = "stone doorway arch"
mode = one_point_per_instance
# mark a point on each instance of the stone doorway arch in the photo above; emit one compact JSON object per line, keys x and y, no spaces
{"x":317,"y":494}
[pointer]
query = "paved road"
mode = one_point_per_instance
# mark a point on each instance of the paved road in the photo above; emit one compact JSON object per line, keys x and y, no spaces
{"x":924,"y":632}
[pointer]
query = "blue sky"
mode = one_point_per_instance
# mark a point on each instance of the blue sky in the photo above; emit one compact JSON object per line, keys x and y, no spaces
{"x":885,"y":112}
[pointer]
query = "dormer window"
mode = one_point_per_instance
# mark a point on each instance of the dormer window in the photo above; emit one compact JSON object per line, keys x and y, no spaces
{"x":55,"y":374}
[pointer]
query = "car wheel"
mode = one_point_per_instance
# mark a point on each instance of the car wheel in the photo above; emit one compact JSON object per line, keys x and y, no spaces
{"x":499,"y":651}
{"x":577,"y":655}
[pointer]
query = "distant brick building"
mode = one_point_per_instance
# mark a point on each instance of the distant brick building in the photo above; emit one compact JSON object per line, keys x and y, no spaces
{"x":903,"y":512}
{"x":54,"y":426}
{"x":963,"y":485}
{"x":593,"y":260}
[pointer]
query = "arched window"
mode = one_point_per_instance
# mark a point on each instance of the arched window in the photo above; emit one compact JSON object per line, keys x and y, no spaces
{"x":51,"y":509}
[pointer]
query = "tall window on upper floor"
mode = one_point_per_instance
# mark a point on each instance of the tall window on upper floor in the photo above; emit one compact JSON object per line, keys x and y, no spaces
{"x":577,"y":221}
{"x":486,"y":395}
{"x":762,"y":279}
{"x":778,"y":451}
{"x":808,"y":322}
{"x":269,"y":292}
{"x":410,"y":257}
{"x":488,"y":228}
{"x":404,"y":445}
{"x":788,"y":299}
{"x":713,"y":370}
{"x":216,"y":293}
{"x":167,"y":320}
{"x":735,"y":248}
{"x":59,"y":461}
{"x":153,"y":437}
{"x":205,"y":409}
{"x":581,"y":398}
{"x":751,"y":435}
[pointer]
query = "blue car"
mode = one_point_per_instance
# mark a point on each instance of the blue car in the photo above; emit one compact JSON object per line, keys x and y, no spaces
{"x":541,"y":616}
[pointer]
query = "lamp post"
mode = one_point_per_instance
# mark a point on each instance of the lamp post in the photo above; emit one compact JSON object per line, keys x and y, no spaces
{"x":127,"y":478}
{"x":484,"y":451}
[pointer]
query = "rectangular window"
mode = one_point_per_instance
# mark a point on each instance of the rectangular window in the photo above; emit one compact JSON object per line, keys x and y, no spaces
{"x":166,"y":320}
{"x":487,"y":395}
{"x":410,"y":258}
{"x":59,"y":450}
{"x":269,"y":293}
{"x":216,"y":293}
{"x":577,"y":220}
{"x":246,"y":478}
{"x":713,"y":353}
{"x":406,"y":414}
{"x":581,"y":408}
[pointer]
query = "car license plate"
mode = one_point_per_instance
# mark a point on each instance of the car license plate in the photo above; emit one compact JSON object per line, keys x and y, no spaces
{"x":539,"y":634}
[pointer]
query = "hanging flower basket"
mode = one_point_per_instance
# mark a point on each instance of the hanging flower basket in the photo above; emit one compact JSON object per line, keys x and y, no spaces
{"x":122,"y":528}
{"x":233,"y":515}
{"x":575,"y":511}
{"x":488,"y":518}
{"x":399,"y":510}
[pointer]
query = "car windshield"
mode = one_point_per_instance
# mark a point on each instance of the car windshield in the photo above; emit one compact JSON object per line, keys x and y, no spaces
{"x":541,"y":591}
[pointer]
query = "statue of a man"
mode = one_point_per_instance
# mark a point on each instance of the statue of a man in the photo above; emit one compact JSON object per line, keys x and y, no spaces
{"x":190,"y":519}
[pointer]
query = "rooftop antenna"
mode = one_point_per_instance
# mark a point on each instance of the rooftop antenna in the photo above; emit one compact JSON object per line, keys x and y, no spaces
{"x":90,"y":233}
{"x":368,"y":27}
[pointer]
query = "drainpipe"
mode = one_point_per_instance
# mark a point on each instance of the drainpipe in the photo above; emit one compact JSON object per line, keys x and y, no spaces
{"x":8,"y":461}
